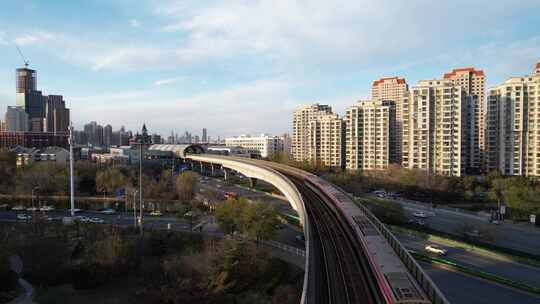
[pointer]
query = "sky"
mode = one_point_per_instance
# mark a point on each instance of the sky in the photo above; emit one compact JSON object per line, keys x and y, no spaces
{"x":239,"y":67}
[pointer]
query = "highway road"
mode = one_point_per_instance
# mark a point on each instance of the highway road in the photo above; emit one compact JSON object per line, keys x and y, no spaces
{"x":121,"y":219}
{"x":464,"y":256}
{"x":460,"y":288}
{"x":515,"y":236}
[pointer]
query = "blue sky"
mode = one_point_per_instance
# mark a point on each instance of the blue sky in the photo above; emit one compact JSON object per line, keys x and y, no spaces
{"x":244,"y":66}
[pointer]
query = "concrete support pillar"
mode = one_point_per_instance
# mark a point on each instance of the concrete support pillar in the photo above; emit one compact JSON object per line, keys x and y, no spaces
{"x":225,"y":173}
{"x":252,"y":182}
{"x":212,"y":170}
{"x":202,"y":168}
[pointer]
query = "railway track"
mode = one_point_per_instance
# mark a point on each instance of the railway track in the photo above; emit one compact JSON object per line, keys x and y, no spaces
{"x":340,"y":278}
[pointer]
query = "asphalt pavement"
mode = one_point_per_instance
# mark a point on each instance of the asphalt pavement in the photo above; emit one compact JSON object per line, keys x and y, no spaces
{"x":465,"y":256}
{"x":506,"y":234}
{"x":460,"y":288}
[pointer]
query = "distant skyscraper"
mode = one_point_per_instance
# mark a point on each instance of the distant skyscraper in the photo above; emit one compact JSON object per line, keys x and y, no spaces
{"x":56,"y":115}
{"x":98,"y":136}
{"x":108,"y":136}
{"x":204,"y":135}
{"x":26,"y":80}
{"x":45,"y":113}
{"x":16,"y":119}
{"x":29,"y":98}
{"x":156,"y":139}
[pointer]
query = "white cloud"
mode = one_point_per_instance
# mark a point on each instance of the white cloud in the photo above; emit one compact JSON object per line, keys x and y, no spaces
{"x":288,"y":35}
{"x":259,"y":106}
{"x":34,"y":38}
{"x":134,"y":23}
{"x":169,"y":81}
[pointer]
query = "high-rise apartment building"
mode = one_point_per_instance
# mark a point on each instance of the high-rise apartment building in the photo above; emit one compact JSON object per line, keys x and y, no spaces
{"x":327,"y":141}
{"x":318,"y":136}
{"x":368,"y":140}
{"x":435,"y":127}
{"x":473,"y":83}
{"x":301,"y":143}
{"x":396,"y":90}
{"x":16,"y":119}
{"x":513,"y":126}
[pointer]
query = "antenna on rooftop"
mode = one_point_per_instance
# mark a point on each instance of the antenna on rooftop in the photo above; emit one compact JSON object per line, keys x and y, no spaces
{"x":22,"y":56}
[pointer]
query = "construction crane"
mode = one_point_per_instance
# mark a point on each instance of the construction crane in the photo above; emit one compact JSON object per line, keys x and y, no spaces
{"x":22,"y":56}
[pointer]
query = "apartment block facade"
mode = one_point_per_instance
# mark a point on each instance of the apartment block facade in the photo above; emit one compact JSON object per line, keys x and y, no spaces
{"x":368,"y":135}
{"x":513,"y":126}
{"x":301,"y":143}
{"x":327,"y":141}
{"x":473,"y":83}
{"x":318,"y":136}
{"x":435,"y":126}
{"x":396,"y":90}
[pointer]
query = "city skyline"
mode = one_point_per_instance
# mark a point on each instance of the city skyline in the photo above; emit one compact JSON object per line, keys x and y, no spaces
{"x":192,"y":62}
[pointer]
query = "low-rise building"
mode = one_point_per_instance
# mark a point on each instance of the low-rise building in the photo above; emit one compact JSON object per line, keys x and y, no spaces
{"x":233,"y":151}
{"x":27,"y":156}
{"x":39,"y":140}
{"x":267,"y":145}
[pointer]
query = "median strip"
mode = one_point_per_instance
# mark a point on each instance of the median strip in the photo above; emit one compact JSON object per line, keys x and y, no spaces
{"x":475,"y":272}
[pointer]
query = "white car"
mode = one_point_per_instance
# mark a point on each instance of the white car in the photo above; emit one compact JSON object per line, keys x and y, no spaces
{"x":46,"y":208}
{"x":75,"y":210}
{"x":18,"y":208}
{"x":24,"y":217}
{"x":82,"y":218}
{"x":156,"y":213}
{"x":435,"y":249}
{"x":420,"y":214}
{"x":108,"y":211}
{"x":96,"y":220}
{"x":32,"y":209}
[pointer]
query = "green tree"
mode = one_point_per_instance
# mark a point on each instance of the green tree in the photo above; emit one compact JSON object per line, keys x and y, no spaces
{"x":229,"y":214}
{"x":186,"y":185}
{"x":496,"y":190}
{"x":49,"y":177}
{"x":236,"y":266}
{"x":107,"y":181}
{"x":259,"y":220}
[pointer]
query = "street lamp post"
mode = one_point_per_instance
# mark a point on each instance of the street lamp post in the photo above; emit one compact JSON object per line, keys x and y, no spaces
{"x":141,"y":143}
{"x":135,"y":208}
{"x":33,"y":189}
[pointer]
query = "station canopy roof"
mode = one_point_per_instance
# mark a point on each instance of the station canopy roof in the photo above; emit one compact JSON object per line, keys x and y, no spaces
{"x":178,"y":150}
